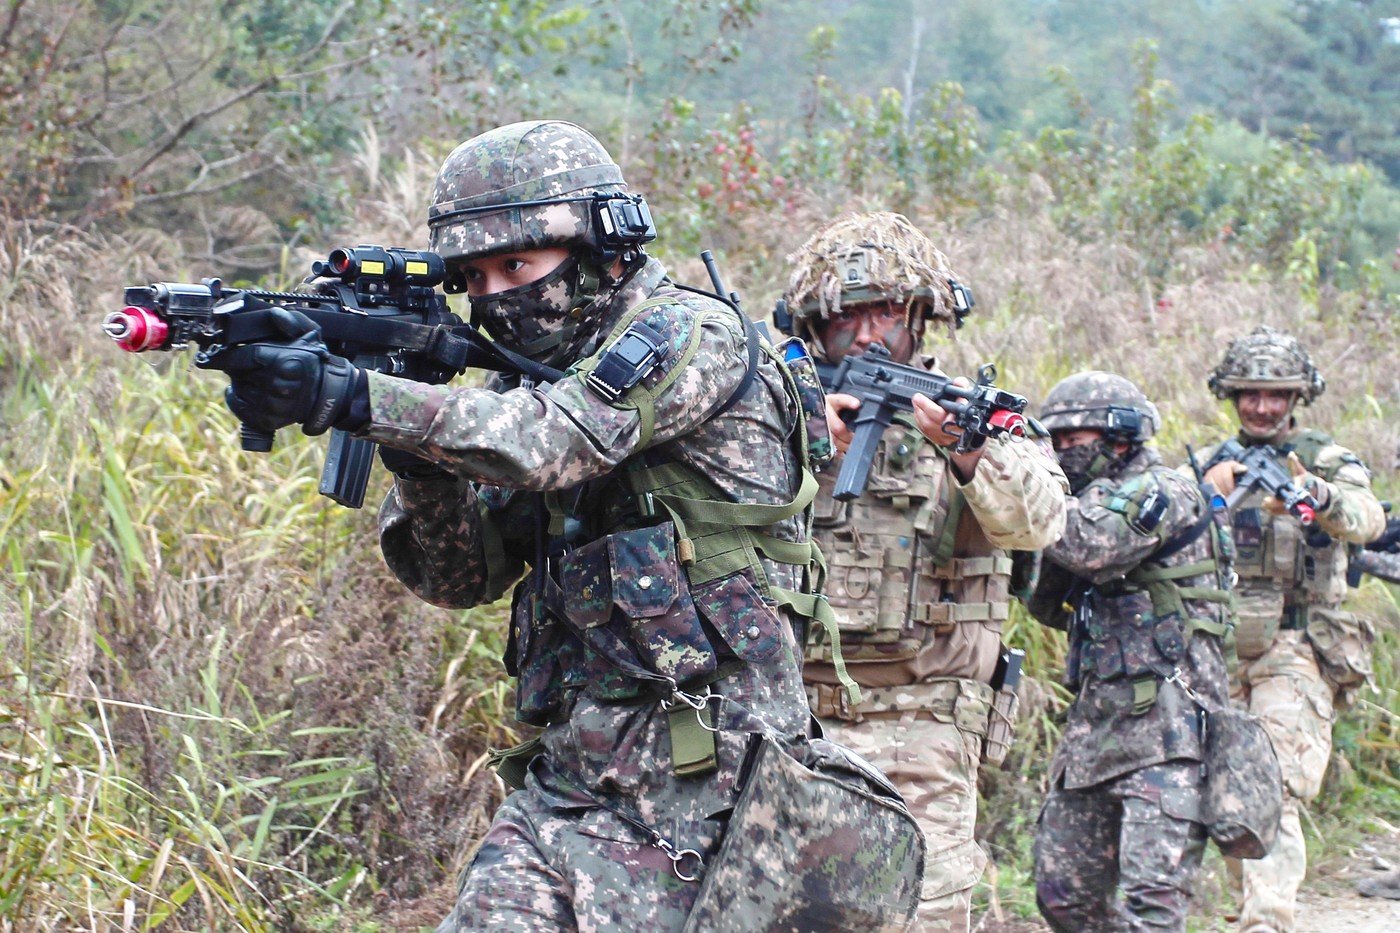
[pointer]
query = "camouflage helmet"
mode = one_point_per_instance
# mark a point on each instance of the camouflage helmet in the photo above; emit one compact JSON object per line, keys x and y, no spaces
{"x":1104,"y":401}
{"x":1267,"y":359}
{"x":521,"y":186}
{"x":860,"y":258}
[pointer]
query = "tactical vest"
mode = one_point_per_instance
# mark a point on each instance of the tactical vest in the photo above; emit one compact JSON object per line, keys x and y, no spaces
{"x":650,"y":584}
{"x":892,"y":579}
{"x":1138,"y":627}
{"x":1276,"y":553}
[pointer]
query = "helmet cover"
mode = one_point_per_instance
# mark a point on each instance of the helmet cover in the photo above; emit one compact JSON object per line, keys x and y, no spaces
{"x":1267,"y":359}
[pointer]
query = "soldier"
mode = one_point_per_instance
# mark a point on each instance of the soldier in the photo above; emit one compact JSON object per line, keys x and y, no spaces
{"x":1139,"y":583}
{"x":918,"y":573}
{"x":657,"y":493}
{"x":1298,"y":650}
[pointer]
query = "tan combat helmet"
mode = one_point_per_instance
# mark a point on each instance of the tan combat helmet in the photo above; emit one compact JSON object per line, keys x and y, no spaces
{"x":860,"y":258}
{"x":1267,"y":359}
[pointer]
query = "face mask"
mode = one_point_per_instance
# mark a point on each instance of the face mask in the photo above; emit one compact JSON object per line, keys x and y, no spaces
{"x":537,"y":319}
{"x":1085,"y":463}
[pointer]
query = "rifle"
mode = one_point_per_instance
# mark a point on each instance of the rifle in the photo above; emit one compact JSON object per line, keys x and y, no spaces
{"x":885,"y":387}
{"x":1262,"y":471}
{"x":1388,"y":543}
{"x":376,"y":306}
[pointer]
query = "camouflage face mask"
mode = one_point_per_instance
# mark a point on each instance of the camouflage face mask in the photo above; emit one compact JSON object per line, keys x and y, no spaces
{"x":1085,"y":463}
{"x":541,"y":319}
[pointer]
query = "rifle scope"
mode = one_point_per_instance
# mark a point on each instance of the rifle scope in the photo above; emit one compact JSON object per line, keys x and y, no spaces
{"x":410,"y":266}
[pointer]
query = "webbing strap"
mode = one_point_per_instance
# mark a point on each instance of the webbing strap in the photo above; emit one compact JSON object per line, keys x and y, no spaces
{"x":740,"y":514}
{"x":1152,"y":574}
{"x":943,"y":547}
{"x":815,"y":607}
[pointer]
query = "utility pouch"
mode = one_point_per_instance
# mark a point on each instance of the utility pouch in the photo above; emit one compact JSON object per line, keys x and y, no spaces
{"x":1001,"y":722}
{"x":812,"y":397}
{"x":1342,"y":643}
{"x":630,"y":602}
{"x":821,"y":841}
{"x":1258,"y":614}
{"x":1244,"y":786}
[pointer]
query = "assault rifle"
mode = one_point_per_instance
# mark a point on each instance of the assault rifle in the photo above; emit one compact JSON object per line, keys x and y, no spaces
{"x":1262,"y":471}
{"x":376,"y":306}
{"x":885,"y":387}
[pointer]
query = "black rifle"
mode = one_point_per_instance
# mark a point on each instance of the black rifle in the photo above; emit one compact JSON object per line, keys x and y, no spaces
{"x":884,"y":387}
{"x":1262,"y":471}
{"x":376,"y":306}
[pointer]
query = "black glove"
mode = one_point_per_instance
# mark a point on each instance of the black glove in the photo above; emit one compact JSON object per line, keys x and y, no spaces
{"x":298,"y":381}
{"x":409,"y":465}
{"x":1389,"y":539}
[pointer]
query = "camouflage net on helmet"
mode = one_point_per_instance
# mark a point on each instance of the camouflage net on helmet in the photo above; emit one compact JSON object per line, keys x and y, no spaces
{"x":901,"y":264}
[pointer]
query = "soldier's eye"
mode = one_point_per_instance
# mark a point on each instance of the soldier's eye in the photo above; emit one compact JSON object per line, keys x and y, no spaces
{"x":514,"y":265}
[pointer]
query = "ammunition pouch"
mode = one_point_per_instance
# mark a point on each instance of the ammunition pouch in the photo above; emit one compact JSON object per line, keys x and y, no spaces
{"x":643,"y":623}
{"x":818,"y":840}
{"x":1341,"y":642}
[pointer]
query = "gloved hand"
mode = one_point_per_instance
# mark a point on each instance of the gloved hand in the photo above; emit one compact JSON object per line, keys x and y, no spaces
{"x":1313,"y":483}
{"x":406,"y":465}
{"x":1222,"y":475}
{"x":299,"y":381}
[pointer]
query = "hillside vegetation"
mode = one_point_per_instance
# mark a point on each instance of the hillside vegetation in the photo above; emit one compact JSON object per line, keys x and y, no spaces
{"x":217,"y":708}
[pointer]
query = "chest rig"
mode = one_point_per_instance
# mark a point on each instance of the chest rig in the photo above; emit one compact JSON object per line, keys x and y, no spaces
{"x":651,"y":585}
{"x":1277,"y":553}
{"x":892,"y":579}
{"x":1138,"y":626}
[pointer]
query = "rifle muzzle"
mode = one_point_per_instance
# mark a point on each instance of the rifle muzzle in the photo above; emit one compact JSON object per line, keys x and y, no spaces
{"x":135,"y":329}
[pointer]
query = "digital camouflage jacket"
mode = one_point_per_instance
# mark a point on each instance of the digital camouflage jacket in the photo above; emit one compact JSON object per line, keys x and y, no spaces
{"x":1103,"y":582}
{"x":614,"y":562}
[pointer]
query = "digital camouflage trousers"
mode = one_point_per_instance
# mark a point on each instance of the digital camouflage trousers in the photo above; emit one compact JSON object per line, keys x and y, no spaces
{"x":1121,"y":855}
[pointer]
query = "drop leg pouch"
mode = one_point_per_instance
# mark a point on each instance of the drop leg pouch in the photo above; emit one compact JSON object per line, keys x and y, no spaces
{"x":821,"y":843}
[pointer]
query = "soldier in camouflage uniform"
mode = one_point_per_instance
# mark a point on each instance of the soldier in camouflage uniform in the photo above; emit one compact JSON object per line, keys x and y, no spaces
{"x":1298,"y":650}
{"x":657,"y":494}
{"x":1139,"y":582}
{"x":918,"y":571}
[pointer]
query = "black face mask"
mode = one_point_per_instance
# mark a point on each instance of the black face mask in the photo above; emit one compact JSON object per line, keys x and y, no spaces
{"x":1086,"y":462}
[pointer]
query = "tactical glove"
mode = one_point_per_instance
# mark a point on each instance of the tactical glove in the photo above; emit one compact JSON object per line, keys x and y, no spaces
{"x":299,"y":381}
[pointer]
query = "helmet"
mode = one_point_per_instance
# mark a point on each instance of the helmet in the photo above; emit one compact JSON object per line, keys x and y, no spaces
{"x":1267,"y":359}
{"x":1104,"y":401}
{"x":530,"y":186}
{"x":859,"y":258}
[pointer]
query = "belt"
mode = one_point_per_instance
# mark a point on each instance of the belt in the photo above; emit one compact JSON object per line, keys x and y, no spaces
{"x":948,"y":699}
